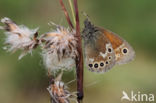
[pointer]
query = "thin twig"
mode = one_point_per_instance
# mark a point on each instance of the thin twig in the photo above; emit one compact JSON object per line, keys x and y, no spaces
{"x":79,"y":59}
{"x":66,"y":14}
{"x":72,"y":10}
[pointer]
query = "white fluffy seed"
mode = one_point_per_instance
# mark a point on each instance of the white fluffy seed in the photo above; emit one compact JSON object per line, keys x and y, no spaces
{"x":18,"y":37}
{"x":59,"y":50}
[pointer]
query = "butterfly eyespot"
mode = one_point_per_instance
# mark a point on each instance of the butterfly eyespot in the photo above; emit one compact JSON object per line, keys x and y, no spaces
{"x":109,"y":57}
{"x":90,"y":65}
{"x":125,"y":51}
{"x":106,"y":62}
{"x":96,"y":65}
{"x":109,"y":50}
{"x":101,"y":64}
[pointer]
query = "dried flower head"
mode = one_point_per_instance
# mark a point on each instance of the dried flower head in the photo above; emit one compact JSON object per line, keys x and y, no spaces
{"x":59,"y":93}
{"x":59,"y":49}
{"x":19,"y":37}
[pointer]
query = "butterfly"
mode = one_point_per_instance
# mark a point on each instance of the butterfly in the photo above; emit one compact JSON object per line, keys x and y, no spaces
{"x":103,"y":49}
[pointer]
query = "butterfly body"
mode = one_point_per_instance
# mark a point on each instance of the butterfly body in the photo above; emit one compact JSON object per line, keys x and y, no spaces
{"x":104,"y":49}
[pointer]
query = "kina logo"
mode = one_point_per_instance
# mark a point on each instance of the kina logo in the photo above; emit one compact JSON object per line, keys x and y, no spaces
{"x":137,"y":97}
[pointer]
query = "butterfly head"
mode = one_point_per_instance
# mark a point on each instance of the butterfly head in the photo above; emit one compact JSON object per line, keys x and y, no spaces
{"x":89,"y":32}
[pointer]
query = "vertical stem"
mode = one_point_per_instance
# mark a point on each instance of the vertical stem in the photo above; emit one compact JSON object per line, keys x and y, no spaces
{"x":72,"y":10}
{"x":66,"y":15}
{"x":79,"y":60}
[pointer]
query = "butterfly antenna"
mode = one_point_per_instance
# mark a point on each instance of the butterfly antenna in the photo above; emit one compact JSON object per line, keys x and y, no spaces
{"x":86,"y":15}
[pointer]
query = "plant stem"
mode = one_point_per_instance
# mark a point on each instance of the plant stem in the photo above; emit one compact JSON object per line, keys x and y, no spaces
{"x":79,"y":60}
{"x":66,"y":14}
{"x":72,"y":10}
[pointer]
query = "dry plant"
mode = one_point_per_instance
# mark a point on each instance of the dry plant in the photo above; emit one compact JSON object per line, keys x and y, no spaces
{"x":61,"y":50}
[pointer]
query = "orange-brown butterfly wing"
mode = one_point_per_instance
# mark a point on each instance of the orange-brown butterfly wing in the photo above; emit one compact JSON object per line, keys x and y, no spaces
{"x":123,"y":51}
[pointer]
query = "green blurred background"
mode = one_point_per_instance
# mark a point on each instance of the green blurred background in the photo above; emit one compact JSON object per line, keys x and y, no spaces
{"x":25,"y":81}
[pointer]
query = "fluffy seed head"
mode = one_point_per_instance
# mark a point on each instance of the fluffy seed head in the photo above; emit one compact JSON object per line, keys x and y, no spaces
{"x":19,"y":37}
{"x":59,"y":49}
{"x":59,"y":93}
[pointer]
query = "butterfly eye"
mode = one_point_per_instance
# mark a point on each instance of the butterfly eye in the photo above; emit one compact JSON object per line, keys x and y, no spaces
{"x":125,"y":51}
{"x":109,"y":50}
{"x":96,"y":65}
{"x":101,"y":64}
{"x":95,"y":30}
{"x":90,"y":65}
